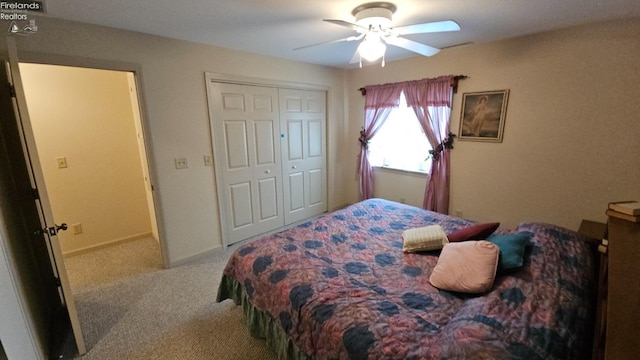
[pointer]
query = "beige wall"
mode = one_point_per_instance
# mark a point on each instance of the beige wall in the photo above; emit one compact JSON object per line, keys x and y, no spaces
{"x":86,"y":116}
{"x":173,"y":86}
{"x":569,"y":147}
{"x":400,"y":186}
{"x":572,"y":134}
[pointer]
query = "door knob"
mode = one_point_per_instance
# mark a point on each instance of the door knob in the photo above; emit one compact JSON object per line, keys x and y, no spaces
{"x":294,"y":167}
{"x":52,"y":230}
{"x":267,"y":171}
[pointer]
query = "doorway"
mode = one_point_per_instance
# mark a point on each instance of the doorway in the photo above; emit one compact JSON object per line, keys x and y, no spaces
{"x":89,"y":135}
{"x":86,"y":124}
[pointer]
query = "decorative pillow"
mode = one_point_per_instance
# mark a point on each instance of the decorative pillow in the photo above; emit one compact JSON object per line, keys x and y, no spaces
{"x":473,"y":232}
{"x":468,"y":267}
{"x":511,"y":250}
{"x":426,"y":238}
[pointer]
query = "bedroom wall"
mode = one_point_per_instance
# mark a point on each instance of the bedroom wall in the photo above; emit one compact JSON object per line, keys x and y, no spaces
{"x":91,"y":124}
{"x":173,"y":75}
{"x":571,"y":138}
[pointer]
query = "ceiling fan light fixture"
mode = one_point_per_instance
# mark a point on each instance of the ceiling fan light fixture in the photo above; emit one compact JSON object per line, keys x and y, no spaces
{"x":376,"y":18}
{"x":374,"y":31}
{"x":374,"y":15}
{"x":372,"y":48}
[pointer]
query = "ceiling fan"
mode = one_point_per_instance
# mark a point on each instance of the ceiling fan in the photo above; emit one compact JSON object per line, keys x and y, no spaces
{"x":372,"y":23}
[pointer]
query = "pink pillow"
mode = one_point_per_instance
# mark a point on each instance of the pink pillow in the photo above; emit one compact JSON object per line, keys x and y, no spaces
{"x":468,"y":267}
{"x":473,"y":232}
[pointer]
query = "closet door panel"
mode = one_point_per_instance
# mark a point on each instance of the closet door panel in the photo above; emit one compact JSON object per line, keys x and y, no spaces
{"x":296,"y":186}
{"x":265,"y":146}
{"x":268,"y":198}
{"x":246,"y":146}
{"x":303,"y":153}
{"x":316,"y":183}
{"x":315,"y":139}
{"x":240,"y":199}
{"x":235,"y":140}
{"x":295,"y":139}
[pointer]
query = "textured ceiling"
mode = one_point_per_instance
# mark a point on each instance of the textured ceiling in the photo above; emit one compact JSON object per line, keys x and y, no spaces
{"x":276,"y":27}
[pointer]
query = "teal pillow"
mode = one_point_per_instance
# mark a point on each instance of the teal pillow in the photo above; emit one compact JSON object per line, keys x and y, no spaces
{"x":511,"y":250}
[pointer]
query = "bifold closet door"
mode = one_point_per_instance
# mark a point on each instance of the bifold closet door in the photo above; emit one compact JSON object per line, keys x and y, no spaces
{"x":303,"y":125}
{"x":246,"y":136}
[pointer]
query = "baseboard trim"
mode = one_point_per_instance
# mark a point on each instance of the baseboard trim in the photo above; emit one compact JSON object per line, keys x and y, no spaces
{"x":340,"y":206}
{"x":106,"y":244}
{"x":197,"y":257}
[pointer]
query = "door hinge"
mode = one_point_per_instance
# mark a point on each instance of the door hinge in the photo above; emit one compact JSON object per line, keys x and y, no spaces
{"x":12,"y":90}
{"x":36,"y":194}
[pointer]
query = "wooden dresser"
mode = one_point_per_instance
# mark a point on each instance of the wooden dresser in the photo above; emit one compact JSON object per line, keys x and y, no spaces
{"x":623,"y":298}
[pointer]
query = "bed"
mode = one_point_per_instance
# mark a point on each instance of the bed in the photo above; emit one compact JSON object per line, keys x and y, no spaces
{"x":341,"y":287}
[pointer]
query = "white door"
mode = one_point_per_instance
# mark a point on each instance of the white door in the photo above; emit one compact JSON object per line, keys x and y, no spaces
{"x":43,"y":204}
{"x":246,"y":131}
{"x":303,"y":122}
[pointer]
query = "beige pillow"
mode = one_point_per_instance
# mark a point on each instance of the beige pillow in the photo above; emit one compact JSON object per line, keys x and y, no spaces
{"x":426,"y":238}
{"x":468,"y":267}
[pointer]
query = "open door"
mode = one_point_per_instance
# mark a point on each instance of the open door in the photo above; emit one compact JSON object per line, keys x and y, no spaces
{"x":49,"y":229}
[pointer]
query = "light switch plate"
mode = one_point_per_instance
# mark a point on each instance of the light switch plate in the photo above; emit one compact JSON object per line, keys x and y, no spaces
{"x":208,"y":160}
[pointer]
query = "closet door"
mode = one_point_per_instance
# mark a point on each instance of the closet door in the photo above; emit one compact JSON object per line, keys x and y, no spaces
{"x":303,"y":122}
{"x":246,"y":131}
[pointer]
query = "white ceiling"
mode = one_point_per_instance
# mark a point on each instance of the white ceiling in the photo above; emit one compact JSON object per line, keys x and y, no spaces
{"x":276,"y":27}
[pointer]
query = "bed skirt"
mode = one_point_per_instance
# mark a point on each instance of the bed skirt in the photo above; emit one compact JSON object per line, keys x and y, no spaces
{"x":260,"y":323}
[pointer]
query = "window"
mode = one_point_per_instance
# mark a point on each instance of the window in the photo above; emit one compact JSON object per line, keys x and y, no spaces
{"x":401,"y":143}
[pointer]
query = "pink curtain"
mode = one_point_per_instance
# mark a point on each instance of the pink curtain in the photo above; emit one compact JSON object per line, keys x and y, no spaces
{"x":378,"y":103}
{"x":421,"y":95}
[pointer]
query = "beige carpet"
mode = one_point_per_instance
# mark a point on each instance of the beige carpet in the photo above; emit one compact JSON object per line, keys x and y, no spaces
{"x":131,"y":308}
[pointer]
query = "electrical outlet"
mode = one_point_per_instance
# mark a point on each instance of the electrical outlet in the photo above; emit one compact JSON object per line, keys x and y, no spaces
{"x":62,"y":162}
{"x":208,"y":160}
{"x":459,"y":213}
{"x":77,"y":228}
{"x":181,"y":163}
{"x":403,"y":200}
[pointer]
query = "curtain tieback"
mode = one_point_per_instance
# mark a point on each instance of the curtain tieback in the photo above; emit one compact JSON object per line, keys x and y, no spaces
{"x":364,"y":142}
{"x":447,"y":143}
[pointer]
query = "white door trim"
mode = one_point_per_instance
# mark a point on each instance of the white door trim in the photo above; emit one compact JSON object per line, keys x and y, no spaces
{"x":255,"y":81}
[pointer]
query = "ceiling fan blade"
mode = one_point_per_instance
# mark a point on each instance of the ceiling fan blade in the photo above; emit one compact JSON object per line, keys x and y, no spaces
{"x":350,"y":38}
{"x":430,"y":27}
{"x":410,"y":45}
{"x":346,"y":24}
{"x":356,"y":56}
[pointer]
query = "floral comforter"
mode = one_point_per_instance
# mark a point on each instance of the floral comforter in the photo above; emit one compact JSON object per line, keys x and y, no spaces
{"x":340,"y":287}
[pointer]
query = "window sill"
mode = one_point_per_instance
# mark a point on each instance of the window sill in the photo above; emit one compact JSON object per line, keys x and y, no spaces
{"x":400,"y":171}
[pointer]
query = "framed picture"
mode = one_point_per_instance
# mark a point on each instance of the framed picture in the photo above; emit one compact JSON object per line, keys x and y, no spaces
{"x":482,"y":115}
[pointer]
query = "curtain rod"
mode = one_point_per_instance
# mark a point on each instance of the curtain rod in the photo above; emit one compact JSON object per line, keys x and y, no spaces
{"x":454,"y":84}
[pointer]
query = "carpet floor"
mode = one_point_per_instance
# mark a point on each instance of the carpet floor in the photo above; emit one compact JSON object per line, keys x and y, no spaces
{"x":131,"y":308}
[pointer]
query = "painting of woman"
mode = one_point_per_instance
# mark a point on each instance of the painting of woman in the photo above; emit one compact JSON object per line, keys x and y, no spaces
{"x":483,"y":115}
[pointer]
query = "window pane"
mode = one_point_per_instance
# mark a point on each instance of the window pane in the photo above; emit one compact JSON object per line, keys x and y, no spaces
{"x":400,"y":143}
